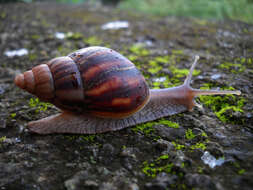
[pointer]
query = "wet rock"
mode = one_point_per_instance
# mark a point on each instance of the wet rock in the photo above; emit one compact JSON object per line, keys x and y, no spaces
{"x":161,"y":182}
{"x":128,"y":157}
{"x":107,"y":153}
{"x":128,"y":152}
{"x":200,"y":181}
{"x":164,"y":146}
{"x":80,"y":180}
{"x":107,"y":186}
{"x":1,"y":90}
{"x":170,"y":133}
{"x":2,"y":121}
{"x":10,"y":172}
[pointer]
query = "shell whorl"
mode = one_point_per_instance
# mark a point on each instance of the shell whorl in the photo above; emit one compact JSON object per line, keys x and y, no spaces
{"x":37,"y":81}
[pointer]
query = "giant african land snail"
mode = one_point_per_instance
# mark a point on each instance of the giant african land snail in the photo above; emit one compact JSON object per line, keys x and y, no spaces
{"x":100,"y":90}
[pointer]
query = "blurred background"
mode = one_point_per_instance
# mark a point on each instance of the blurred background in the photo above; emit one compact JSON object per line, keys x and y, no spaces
{"x":241,"y":10}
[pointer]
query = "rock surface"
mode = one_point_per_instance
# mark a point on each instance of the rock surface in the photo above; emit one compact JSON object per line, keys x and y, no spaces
{"x":159,"y":155}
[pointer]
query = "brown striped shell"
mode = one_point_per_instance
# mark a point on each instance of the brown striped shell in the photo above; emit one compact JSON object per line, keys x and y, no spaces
{"x":95,"y":80}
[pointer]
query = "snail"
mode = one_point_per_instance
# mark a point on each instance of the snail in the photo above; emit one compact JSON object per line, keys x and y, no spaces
{"x":100,"y":90}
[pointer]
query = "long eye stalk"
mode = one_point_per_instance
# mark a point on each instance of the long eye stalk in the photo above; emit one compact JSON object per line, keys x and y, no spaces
{"x":198,"y":92}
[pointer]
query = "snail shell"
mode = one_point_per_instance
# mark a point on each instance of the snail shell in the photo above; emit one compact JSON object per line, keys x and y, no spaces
{"x":95,"y":80}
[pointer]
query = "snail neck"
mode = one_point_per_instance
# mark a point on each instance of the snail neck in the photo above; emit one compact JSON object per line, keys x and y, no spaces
{"x":182,"y":95}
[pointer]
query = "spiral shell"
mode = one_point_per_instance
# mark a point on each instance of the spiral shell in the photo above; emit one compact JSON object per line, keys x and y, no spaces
{"x":95,"y":80}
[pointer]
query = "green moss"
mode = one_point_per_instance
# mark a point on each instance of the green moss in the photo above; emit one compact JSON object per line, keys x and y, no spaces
{"x":132,"y":57}
{"x":225,"y":114}
{"x":2,"y":15}
{"x":163,"y":59}
{"x":86,"y":138}
{"x":177,"y":52}
{"x":63,"y":50}
{"x":233,"y":67}
{"x":93,"y":41}
{"x":147,"y":128}
{"x":2,"y":139}
{"x":13,"y":115}
{"x":74,"y":36}
{"x":139,"y":50}
{"x":40,"y":106}
{"x":223,"y":106}
{"x":203,"y":134}
{"x":156,"y":85}
{"x":154,"y":67}
{"x":179,"y":73}
{"x":200,"y":22}
{"x":189,"y":135}
{"x":241,"y":171}
{"x":35,"y":36}
{"x":200,"y":169}
{"x":89,"y":138}
{"x":151,"y":169}
{"x":163,"y":157}
{"x":32,"y":56}
{"x":199,"y":145}
{"x":168,"y":123}
{"x":237,"y":65}
{"x":178,"y":146}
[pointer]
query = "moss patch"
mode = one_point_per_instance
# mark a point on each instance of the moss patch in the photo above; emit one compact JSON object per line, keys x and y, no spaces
{"x":199,"y":145}
{"x":178,"y":146}
{"x":93,"y":41}
{"x":237,"y":65}
{"x":86,"y":138}
{"x":224,"y":106}
{"x":74,"y":36}
{"x":40,"y":106}
{"x":139,"y":50}
{"x":161,"y":164}
{"x":2,"y":139}
{"x":233,"y":67}
{"x":147,"y":128}
{"x":154,"y":67}
{"x":189,"y":135}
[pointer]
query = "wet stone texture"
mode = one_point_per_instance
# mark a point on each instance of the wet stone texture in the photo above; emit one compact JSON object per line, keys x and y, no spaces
{"x":208,"y":148}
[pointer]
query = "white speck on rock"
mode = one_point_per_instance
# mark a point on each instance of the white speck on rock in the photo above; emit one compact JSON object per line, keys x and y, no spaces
{"x":215,"y":76}
{"x":18,"y":52}
{"x":160,"y":79}
{"x":210,"y":160}
{"x":115,"y":25}
{"x":59,"y":35}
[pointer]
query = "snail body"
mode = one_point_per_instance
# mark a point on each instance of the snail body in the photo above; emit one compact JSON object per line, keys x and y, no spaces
{"x":100,"y":90}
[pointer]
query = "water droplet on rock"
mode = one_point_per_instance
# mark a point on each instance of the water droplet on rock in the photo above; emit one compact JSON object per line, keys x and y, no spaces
{"x":210,"y":160}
